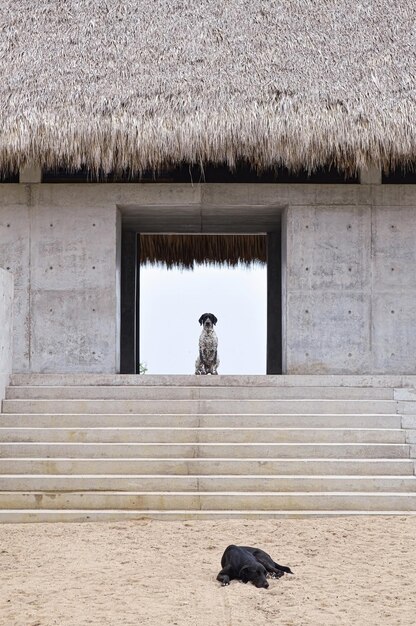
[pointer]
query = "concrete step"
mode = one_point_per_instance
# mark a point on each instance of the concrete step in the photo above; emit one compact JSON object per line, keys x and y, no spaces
{"x":201,"y":406}
{"x":141,"y":392}
{"x":409,"y":421}
{"x":222,"y":483}
{"x":294,"y":380}
{"x":84,"y":420}
{"x":207,"y":467}
{"x":408,"y":394}
{"x":202,"y":435}
{"x":222,"y":501}
{"x":205,"y":450}
{"x":22,"y":516}
{"x":406,"y":407}
{"x":411,"y":436}
{"x":113,"y":447}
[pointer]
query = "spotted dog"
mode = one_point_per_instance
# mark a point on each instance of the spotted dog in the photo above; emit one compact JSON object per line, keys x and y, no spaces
{"x":207,"y":361}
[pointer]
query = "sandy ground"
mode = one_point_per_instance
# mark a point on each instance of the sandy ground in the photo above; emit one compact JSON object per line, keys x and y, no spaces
{"x":347,"y":571}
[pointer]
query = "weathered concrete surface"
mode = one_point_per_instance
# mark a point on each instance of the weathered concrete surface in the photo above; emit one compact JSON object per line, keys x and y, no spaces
{"x":6,"y":323}
{"x":383,"y":380}
{"x":205,"y":420}
{"x":371,"y":175}
{"x":350,"y":300}
{"x":30,"y":174}
{"x":208,"y":467}
{"x":66,"y":263}
{"x":282,"y":484}
{"x":154,"y":456}
{"x":73,"y":280}
{"x":186,"y":407}
{"x":15,"y":257}
{"x":175,"y":435}
{"x":197,"y":392}
{"x":351,"y":289}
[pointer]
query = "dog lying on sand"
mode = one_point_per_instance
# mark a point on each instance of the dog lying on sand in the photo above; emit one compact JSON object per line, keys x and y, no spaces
{"x":249,"y":564}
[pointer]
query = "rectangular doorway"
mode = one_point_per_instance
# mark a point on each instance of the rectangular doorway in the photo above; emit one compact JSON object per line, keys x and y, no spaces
{"x":131,"y":331}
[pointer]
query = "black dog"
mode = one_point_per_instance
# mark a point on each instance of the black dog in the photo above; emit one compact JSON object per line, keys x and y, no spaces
{"x":273,"y":568}
{"x":249,"y":564}
{"x":239,"y":563}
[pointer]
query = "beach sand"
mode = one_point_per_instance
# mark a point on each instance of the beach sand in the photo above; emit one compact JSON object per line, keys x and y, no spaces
{"x":348,"y":570}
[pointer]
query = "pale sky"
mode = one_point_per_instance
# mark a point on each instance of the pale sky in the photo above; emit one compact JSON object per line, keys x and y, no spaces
{"x":171,"y":302}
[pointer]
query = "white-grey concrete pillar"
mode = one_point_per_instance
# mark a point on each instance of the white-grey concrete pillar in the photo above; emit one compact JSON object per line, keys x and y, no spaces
{"x":30,"y":173}
{"x":372,"y":175}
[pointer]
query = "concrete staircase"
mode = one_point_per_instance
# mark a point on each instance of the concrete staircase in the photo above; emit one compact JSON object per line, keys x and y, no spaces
{"x":99,"y":447}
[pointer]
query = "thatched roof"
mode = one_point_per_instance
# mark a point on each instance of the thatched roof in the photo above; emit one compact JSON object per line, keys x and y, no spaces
{"x":137,"y":84}
{"x":186,"y":251}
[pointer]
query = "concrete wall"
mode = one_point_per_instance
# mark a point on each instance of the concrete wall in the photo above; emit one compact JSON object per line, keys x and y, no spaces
{"x":350,"y":298}
{"x":351,"y":288}
{"x":63,"y":253}
{"x":6,"y":328}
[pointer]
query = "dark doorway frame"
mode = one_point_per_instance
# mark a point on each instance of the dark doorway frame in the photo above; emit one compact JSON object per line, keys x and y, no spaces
{"x":274,"y":347}
{"x":130,"y":303}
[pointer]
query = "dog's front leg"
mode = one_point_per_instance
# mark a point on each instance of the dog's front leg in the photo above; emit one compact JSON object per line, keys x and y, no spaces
{"x":224,"y":576}
{"x":199,"y":366}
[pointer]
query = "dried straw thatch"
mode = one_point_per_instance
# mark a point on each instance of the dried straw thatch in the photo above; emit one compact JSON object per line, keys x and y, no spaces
{"x":186,"y":251}
{"x":117,"y":84}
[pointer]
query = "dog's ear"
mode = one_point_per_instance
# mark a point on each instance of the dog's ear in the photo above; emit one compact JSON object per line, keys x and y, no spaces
{"x":246,"y":573}
{"x":202,"y":318}
{"x":213,"y":319}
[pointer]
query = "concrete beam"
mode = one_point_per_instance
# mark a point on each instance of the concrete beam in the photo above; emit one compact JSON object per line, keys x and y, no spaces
{"x":371,"y":176}
{"x":29,"y":174}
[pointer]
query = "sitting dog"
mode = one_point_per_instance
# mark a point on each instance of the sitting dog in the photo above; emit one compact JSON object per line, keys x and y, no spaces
{"x":249,"y":564}
{"x":207,"y":361}
{"x":241,"y":564}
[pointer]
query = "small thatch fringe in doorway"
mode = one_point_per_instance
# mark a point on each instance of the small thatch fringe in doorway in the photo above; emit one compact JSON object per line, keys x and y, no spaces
{"x":186,"y":251}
